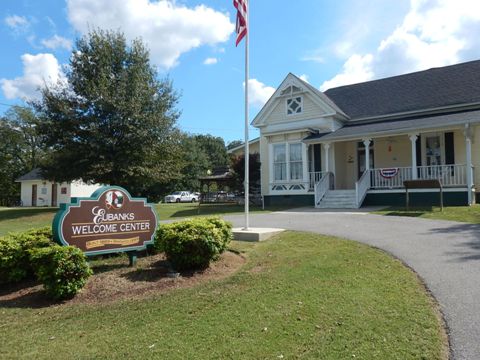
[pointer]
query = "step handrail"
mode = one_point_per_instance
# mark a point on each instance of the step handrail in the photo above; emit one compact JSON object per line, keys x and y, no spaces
{"x":322,"y":186}
{"x":361,"y":187}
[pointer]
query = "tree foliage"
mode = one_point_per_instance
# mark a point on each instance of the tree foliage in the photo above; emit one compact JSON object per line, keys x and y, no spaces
{"x":238,"y":167}
{"x":111,"y":121}
{"x":20,"y":149}
{"x":214,"y":148}
{"x":233,"y":144}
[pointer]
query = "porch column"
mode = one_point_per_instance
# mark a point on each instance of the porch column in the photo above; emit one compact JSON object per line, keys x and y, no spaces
{"x":366,"y":143}
{"x":413,"y":140}
{"x":326,"y":147}
{"x":468,"y":150}
{"x":305,"y":164}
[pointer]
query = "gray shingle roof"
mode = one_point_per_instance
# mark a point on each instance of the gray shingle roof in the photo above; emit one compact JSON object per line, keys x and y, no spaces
{"x":437,"y":87}
{"x":35,"y":174}
{"x":399,"y":126}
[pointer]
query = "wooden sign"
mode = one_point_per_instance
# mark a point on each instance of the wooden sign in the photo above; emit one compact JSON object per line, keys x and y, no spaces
{"x":109,"y":221}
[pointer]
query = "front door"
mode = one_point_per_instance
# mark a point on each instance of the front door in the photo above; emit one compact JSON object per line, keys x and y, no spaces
{"x":34,"y":195}
{"x":54,"y":194}
{"x":361,"y":158}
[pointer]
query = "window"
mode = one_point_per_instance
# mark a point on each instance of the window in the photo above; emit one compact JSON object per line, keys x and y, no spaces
{"x":433,"y":150}
{"x":63,"y":190}
{"x":294,"y":105}
{"x":296,"y":164}
{"x":279,"y":162}
{"x":288,"y":162}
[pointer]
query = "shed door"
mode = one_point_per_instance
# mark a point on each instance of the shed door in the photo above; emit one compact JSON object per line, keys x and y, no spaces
{"x":34,"y":195}
{"x":54,"y":194}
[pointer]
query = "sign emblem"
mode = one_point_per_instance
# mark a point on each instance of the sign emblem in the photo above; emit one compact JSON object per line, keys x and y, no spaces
{"x":109,"y":221}
{"x":114,"y":199}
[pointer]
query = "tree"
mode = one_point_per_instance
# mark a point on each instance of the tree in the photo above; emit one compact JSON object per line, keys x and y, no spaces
{"x":233,"y":144}
{"x":238,"y":167}
{"x":214,"y":148}
{"x":20,"y":149}
{"x":111,"y":121}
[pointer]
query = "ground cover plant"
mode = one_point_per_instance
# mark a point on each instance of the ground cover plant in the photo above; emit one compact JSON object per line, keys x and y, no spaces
{"x":468,"y":214}
{"x":299,"y":295}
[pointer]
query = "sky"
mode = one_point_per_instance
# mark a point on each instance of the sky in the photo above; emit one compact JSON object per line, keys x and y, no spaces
{"x":328,"y":43}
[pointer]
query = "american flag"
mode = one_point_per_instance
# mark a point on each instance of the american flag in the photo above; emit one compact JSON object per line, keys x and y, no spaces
{"x":241,"y":6}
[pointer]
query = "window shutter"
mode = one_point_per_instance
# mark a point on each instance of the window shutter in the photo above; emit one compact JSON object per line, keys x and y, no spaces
{"x":449,"y":149}
{"x":418,"y":145}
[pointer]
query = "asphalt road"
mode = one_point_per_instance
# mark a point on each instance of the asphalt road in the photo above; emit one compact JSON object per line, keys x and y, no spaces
{"x":445,"y":254}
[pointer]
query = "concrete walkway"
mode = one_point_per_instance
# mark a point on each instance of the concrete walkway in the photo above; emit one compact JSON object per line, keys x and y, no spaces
{"x":445,"y":254}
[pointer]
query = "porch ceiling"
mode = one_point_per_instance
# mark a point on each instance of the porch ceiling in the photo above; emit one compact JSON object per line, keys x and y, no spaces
{"x":397,"y":127}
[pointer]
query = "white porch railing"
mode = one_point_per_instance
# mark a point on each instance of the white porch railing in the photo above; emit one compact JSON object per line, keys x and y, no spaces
{"x":315,"y":177}
{"x":390,"y":178}
{"x":321,"y":187}
{"x":362,"y":186}
{"x":393,"y":178}
{"x":449,"y":175}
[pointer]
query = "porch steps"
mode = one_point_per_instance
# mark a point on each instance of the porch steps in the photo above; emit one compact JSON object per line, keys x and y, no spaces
{"x":338,"y":199}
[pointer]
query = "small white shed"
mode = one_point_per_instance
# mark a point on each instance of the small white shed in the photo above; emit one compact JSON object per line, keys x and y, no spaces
{"x":37,"y":191}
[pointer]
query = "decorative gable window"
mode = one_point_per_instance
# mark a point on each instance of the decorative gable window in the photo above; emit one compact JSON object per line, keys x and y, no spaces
{"x":294,"y":105}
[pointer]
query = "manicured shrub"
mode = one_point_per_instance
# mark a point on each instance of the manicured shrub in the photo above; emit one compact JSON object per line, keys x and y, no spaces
{"x":12,"y":261}
{"x":192,"y":244}
{"x":15,"y":249}
{"x":63,"y":270}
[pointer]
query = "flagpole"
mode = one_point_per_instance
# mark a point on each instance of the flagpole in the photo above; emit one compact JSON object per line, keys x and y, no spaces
{"x":247,"y":154}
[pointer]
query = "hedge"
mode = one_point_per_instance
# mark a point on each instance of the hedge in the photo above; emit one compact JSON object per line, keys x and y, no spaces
{"x":193,"y":244}
{"x":15,"y":250}
{"x":33,"y":254}
{"x":63,"y":270}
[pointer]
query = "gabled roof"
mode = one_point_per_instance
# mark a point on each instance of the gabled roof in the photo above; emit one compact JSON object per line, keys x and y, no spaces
{"x":430,"y":89}
{"x":35,"y":174}
{"x":292,"y":79}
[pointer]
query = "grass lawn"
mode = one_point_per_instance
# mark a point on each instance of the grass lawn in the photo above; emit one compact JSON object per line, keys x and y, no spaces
{"x":298,"y":296}
{"x":20,"y":219}
{"x":468,"y":214}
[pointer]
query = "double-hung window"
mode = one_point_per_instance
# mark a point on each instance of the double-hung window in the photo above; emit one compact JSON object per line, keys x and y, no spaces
{"x":287,"y":162}
{"x":296,"y":164}
{"x":279,"y":162}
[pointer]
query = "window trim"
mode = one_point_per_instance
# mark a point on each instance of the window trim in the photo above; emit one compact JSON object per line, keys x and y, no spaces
{"x":287,"y":159}
{"x":301,"y":105}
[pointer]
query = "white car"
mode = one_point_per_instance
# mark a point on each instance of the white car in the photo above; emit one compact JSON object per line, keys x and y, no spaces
{"x":181,"y":196}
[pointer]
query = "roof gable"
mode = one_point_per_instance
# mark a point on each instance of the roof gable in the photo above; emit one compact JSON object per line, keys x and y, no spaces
{"x":293,"y":85}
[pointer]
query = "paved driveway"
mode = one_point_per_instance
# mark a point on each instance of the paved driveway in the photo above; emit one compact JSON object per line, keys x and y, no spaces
{"x":445,"y":254}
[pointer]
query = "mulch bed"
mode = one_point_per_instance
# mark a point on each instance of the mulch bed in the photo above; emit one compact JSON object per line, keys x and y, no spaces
{"x":116,"y":281}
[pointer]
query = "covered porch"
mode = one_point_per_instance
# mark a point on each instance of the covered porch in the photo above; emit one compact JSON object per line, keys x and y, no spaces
{"x":443,"y":154}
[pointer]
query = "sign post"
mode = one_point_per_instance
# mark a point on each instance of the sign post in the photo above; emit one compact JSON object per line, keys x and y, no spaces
{"x":109,"y":221}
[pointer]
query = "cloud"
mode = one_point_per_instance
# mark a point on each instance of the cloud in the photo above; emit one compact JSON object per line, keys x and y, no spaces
{"x":433,"y":33}
{"x":17,"y":23}
{"x":313,"y":56}
{"x":57,"y":42}
{"x":38,"y":70}
{"x":356,"y":69}
{"x":169,"y":28}
{"x":258,"y":92}
{"x":210,"y":61}
{"x":304,"y":77}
